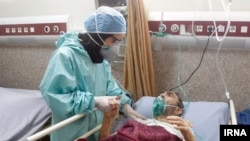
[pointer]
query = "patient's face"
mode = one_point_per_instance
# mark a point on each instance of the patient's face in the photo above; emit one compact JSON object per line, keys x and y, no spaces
{"x":171,"y":99}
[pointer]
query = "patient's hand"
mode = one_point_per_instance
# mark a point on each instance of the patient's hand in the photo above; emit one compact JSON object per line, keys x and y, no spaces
{"x":109,"y":116}
{"x":182,"y":125}
{"x":112,"y":114}
{"x":114,"y":103}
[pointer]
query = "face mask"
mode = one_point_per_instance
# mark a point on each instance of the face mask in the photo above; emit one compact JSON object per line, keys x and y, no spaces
{"x":160,"y":105}
{"x":105,"y":47}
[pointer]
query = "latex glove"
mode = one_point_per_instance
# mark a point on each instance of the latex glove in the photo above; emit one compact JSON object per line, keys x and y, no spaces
{"x":130,"y":112}
{"x":107,"y":103}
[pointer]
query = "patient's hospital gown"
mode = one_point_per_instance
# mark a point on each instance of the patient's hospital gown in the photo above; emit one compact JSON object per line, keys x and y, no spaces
{"x":69,"y":85}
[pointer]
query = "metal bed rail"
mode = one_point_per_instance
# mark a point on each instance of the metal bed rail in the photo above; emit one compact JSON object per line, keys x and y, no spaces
{"x":232,"y":112}
{"x":61,"y":124}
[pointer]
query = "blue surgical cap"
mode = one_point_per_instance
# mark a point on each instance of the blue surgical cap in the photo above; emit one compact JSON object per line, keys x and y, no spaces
{"x":106,"y":20}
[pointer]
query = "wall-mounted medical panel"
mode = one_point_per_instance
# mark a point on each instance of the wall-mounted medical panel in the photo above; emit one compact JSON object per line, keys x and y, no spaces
{"x":203,"y":28}
{"x":196,"y":25}
{"x":201,"y":23}
{"x":33,"y":28}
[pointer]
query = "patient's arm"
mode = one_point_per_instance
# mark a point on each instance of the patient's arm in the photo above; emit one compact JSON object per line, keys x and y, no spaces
{"x":108,"y":118}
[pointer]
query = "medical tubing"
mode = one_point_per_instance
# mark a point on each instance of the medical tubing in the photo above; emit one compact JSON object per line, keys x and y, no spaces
{"x":227,"y":11}
{"x":195,"y":68}
{"x":187,"y":105}
{"x":218,"y":66}
{"x":198,"y":135}
{"x":192,"y":27}
{"x":179,"y":72}
{"x":162,"y":27}
{"x":162,"y":14}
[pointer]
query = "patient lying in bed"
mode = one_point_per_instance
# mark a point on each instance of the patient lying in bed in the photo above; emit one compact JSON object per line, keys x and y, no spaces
{"x":166,"y":124}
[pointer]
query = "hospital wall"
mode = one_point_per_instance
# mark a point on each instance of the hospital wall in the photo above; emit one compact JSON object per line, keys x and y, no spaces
{"x":22,"y":65}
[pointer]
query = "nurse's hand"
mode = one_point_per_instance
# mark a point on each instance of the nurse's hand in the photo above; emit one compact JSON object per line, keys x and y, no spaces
{"x":107,"y":103}
{"x":112,"y":114}
{"x":130,"y":112}
{"x":115,"y":102}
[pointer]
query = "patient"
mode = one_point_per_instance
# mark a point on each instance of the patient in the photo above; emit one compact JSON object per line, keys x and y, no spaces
{"x":166,"y":125}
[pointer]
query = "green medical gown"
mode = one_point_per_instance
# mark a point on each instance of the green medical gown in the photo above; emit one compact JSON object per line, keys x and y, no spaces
{"x":69,"y":85}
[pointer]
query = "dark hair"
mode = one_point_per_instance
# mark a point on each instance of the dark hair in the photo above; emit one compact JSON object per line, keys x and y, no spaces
{"x":86,"y":40}
{"x":91,"y":47}
{"x":180,"y":103}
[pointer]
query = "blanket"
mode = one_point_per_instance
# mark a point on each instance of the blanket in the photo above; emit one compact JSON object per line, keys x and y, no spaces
{"x":136,"y":131}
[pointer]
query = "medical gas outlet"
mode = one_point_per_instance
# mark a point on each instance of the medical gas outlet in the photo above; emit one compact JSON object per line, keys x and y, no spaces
{"x":174,"y":28}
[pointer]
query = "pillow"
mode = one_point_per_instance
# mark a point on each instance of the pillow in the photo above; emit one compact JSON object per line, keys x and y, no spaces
{"x":144,"y":106}
{"x":205,"y":117}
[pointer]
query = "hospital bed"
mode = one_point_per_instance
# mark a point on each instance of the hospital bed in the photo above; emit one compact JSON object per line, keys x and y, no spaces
{"x":205,"y":117}
{"x":22,"y":113}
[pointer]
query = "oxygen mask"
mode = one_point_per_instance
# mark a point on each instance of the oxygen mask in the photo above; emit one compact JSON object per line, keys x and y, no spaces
{"x":160,"y":105}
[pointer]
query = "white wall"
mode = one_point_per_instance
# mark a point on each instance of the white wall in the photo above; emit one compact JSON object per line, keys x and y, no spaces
{"x":192,"y":5}
{"x":80,"y":9}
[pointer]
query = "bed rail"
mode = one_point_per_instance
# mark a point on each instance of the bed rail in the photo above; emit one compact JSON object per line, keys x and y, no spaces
{"x":61,"y":124}
{"x":47,"y":131}
{"x":84,"y":136}
{"x":232,"y":112}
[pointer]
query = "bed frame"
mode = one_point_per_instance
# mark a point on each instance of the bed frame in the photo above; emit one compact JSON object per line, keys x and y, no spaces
{"x":143,"y":105}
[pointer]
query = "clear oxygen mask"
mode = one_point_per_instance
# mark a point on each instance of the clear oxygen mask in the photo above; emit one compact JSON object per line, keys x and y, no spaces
{"x":160,"y":105}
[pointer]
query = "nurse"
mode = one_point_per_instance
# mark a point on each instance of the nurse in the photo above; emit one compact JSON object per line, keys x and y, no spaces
{"x":78,"y":78}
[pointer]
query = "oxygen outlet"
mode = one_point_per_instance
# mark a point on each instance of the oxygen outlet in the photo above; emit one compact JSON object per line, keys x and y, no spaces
{"x":174,"y":28}
{"x":46,"y":29}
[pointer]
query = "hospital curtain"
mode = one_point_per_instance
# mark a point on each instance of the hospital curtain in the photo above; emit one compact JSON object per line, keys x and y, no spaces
{"x":138,"y":67}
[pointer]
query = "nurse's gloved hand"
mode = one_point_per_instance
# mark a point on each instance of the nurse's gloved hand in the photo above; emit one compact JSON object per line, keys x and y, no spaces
{"x":130,"y":112}
{"x":107,"y":103}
